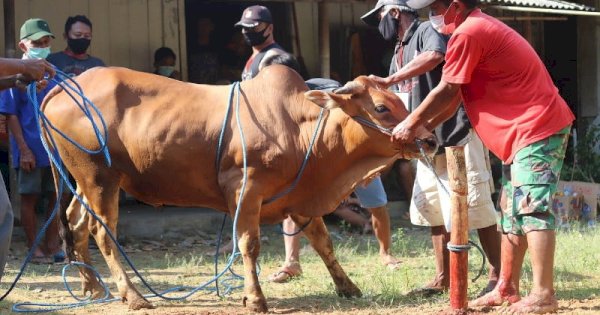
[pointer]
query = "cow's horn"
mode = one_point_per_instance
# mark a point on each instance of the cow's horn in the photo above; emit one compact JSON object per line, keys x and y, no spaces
{"x":350,"y":88}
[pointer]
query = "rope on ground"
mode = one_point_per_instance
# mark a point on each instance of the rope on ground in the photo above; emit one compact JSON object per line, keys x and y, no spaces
{"x":45,"y":125}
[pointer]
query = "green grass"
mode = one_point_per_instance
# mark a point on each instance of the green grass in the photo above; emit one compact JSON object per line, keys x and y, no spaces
{"x":577,"y":274}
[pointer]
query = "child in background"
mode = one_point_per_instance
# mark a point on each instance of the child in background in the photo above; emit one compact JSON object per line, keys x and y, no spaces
{"x":164,"y":63}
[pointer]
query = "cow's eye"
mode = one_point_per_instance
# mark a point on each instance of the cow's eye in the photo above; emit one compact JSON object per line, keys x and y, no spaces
{"x":381,"y":108}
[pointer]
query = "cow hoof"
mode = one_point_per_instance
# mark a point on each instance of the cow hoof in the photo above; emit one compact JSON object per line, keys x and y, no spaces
{"x":256,"y":305}
{"x":140,"y":303}
{"x":349,"y":291}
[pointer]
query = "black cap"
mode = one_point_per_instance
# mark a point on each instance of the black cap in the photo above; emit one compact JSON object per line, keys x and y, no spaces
{"x":254,"y":15}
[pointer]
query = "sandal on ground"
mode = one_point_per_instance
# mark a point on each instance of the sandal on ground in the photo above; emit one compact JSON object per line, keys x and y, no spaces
{"x":285,"y":274}
{"x":427,"y":292}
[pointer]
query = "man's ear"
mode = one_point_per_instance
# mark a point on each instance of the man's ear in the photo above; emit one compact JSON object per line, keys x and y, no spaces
{"x":323,"y":99}
{"x":22,"y":46}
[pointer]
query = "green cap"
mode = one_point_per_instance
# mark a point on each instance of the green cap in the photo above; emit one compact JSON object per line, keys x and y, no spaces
{"x":35,"y":29}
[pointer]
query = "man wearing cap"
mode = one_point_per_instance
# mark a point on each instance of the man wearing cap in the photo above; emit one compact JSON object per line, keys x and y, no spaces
{"x":257,"y":29}
{"x":28,"y":154}
{"x":416,"y":69}
{"x":74,"y":59}
{"x":12,"y":73}
{"x":519,"y":115}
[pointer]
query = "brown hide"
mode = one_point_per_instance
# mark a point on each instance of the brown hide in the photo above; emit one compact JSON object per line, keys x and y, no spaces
{"x":163,"y":138}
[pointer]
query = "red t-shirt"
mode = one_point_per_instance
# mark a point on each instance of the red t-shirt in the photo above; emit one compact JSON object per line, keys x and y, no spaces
{"x":508,"y":94}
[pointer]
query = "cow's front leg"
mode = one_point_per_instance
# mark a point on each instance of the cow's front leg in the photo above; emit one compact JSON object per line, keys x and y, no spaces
{"x":248,"y":232}
{"x":317,"y":234}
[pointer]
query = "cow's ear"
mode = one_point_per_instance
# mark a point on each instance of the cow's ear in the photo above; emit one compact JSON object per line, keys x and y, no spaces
{"x":321,"y":98}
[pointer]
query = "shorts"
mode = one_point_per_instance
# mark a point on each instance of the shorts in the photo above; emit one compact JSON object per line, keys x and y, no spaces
{"x":38,"y":181}
{"x":430,"y":204}
{"x":529,"y":183}
{"x":373,"y":195}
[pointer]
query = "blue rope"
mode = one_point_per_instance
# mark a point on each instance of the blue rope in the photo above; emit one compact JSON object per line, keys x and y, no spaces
{"x":44,"y":123}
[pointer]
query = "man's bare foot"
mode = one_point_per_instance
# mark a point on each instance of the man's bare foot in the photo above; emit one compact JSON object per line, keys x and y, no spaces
{"x":390,"y":261}
{"x":533,"y":304}
{"x":495,"y":298}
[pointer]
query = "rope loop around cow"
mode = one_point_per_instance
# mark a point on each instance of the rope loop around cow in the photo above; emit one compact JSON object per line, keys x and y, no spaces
{"x":57,"y":163}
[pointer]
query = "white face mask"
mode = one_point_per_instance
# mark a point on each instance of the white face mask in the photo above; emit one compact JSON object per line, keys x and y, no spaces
{"x":437,"y":21}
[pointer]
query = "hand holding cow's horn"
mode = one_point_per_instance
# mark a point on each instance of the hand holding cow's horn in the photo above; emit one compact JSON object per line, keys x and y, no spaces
{"x":384,"y":82}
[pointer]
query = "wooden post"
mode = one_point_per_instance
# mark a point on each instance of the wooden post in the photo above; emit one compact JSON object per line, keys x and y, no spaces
{"x":459,"y":236}
{"x":324,"y":39}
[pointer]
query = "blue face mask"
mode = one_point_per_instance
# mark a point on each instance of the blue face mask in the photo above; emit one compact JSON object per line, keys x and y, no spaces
{"x":166,"y":70}
{"x":38,"y":53}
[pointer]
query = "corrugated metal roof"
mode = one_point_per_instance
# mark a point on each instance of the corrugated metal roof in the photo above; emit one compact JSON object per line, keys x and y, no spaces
{"x":550,"y":4}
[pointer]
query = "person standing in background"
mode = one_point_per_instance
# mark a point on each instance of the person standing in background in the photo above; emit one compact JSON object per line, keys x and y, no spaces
{"x":74,"y":60}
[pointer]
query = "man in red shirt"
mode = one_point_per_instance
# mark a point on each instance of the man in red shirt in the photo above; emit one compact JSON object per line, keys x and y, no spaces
{"x":516,"y":110}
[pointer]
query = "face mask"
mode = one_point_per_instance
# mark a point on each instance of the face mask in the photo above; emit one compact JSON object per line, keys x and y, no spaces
{"x":166,"y":70}
{"x":79,"y":45}
{"x":388,"y":27}
{"x":437,"y":21}
{"x":255,"y":38}
{"x":452,"y":20}
{"x":38,"y":53}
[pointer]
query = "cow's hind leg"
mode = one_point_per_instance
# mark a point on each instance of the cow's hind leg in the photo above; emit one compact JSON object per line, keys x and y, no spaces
{"x":76,"y":235}
{"x":318,"y":236}
{"x":104,"y":201}
{"x":248,"y":232}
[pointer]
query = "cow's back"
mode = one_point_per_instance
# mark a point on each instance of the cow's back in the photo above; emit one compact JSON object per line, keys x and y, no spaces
{"x":163,"y":133}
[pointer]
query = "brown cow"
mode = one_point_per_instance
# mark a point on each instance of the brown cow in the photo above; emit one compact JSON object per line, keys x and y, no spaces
{"x":163,"y":141}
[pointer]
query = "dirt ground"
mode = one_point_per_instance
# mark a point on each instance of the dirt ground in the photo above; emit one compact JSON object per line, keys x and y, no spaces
{"x":43,"y":283}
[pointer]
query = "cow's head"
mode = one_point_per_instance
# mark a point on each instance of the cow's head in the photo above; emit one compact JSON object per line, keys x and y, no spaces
{"x":377,"y":109}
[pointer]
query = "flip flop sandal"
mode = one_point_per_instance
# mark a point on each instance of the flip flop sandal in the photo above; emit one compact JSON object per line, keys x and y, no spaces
{"x":283,"y":275}
{"x":426,"y":292}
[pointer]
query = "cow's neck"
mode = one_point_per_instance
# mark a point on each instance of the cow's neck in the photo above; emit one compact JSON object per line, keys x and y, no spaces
{"x":341,"y":158}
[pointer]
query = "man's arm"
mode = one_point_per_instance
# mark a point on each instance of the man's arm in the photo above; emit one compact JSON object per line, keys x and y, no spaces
{"x":445,"y":114}
{"x":439,"y":105}
{"x":33,"y":68}
{"x":421,"y":64}
{"x":27,"y":160}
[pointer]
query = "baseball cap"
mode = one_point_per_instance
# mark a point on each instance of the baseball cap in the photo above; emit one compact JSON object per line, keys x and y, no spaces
{"x":371,"y":16}
{"x":254,"y":15}
{"x":419,"y":4}
{"x":35,"y":29}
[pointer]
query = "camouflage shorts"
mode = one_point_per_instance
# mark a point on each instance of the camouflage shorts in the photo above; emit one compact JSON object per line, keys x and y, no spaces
{"x":529,"y":183}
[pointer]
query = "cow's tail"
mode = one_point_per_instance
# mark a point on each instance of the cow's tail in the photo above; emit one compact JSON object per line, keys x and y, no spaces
{"x":65,"y":232}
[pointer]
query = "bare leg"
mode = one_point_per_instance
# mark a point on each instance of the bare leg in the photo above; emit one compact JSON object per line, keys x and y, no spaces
{"x":381,"y":226}
{"x":490,"y":240}
{"x":317,"y":234}
{"x":507,"y":289}
{"x":52,"y":235}
{"x":291,"y":266}
{"x":344,"y":212}
{"x":440,"y":238}
{"x":29,"y":220}
{"x":541,"y":299}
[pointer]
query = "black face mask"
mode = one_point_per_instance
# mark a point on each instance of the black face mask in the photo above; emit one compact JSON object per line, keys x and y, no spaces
{"x":388,"y":27}
{"x":255,"y":38}
{"x":79,"y":45}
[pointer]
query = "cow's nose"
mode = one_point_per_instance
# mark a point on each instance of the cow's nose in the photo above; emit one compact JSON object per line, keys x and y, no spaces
{"x":428,"y":146}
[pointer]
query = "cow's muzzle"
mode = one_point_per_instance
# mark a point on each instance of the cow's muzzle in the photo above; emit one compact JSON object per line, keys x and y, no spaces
{"x":420,"y":148}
